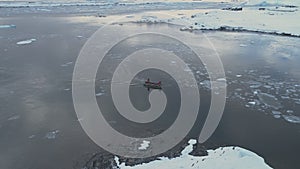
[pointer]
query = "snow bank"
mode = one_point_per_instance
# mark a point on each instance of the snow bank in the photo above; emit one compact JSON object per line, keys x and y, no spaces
{"x":225,"y":158}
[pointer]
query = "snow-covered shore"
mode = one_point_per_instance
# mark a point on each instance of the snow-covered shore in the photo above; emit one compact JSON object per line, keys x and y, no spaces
{"x":260,"y":18}
{"x":269,"y":17}
{"x":224,"y":157}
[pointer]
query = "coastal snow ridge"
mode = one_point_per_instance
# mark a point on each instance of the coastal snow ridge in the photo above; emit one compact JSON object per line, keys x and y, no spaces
{"x":262,"y":16}
{"x":224,"y":157}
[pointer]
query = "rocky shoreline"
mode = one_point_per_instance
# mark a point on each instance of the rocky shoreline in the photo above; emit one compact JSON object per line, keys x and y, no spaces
{"x":105,"y":160}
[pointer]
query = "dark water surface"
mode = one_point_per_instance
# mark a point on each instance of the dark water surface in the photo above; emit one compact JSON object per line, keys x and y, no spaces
{"x":39,"y":127}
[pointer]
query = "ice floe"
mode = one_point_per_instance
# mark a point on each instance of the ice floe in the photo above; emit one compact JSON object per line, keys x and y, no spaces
{"x":7,"y":26}
{"x":269,"y":100}
{"x":144,"y":145}
{"x":291,"y":118}
{"x":15,"y":117}
{"x":99,"y":94}
{"x":31,"y":137}
{"x":52,"y":134}
{"x":66,"y":64}
{"x":26,"y":42}
{"x":224,"y":157}
{"x":276,"y":114}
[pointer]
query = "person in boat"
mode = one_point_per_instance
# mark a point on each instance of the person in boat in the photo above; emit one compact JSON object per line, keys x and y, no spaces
{"x":152,"y":85}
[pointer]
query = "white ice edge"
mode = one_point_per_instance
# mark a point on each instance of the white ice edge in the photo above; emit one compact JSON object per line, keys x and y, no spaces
{"x":223,"y":157}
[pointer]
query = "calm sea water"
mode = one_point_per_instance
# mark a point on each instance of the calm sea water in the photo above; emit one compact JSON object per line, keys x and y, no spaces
{"x":39,"y":127}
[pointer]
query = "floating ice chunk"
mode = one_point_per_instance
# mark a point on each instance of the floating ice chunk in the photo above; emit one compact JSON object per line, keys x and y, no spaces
{"x":66,"y":64}
{"x":15,"y":117}
{"x":52,"y":134}
{"x":67,"y":89}
{"x":221,"y":80}
{"x":187,"y":69}
{"x":99,"y":94}
{"x":285,"y":97}
{"x":243,"y":45}
{"x":43,"y":9}
{"x":26,"y":42}
{"x":238,"y":89}
{"x":252,"y":103}
{"x":31,"y":137}
{"x":269,"y":100}
{"x":291,"y":118}
{"x":267,"y":86}
{"x":7,"y":26}
{"x":79,"y":36}
{"x":205,"y":84}
{"x":255,"y":86}
{"x":276,"y":116}
{"x":238,"y":75}
{"x":276,"y":112}
{"x":290,"y":111}
{"x":265,"y":76}
{"x":144,"y":145}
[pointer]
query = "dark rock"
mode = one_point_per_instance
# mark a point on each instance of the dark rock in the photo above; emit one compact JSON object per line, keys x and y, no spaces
{"x":289,"y":6}
{"x":198,"y":150}
{"x":101,"y":161}
{"x":233,"y":8}
{"x":106,"y":160}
